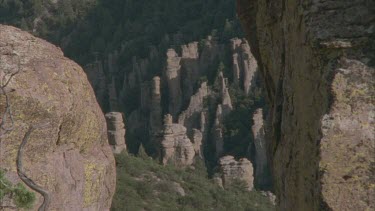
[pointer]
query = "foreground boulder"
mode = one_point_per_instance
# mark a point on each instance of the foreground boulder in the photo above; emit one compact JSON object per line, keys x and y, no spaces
{"x":317,"y":62}
{"x":68,"y":153}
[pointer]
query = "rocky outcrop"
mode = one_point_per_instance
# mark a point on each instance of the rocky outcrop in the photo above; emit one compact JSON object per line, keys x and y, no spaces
{"x":173,"y":77}
{"x":68,"y":153}
{"x":155,"y":110}
{"x":244,"y":64}
{"x":222,"y":110}
{"x":190,"y":68}
{"x":175,"y":147}
{"x":226,"y":101}
{"x":191,"y":117}
{"x":217,"y":132}
{"x":197,"y":141}
{"x":261,"y":163}
{"x":232,"y":170}
{"x":116,"y":131}
{"x":317,"y":62}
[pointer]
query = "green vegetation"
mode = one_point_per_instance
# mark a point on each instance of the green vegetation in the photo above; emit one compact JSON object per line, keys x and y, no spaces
{"x":237,"y":125}
{"x":22,"y":197}
{"x":143,"y":184}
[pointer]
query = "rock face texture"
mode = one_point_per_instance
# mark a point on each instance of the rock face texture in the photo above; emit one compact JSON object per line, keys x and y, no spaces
{"x":261,"y":163}
{"x":222,"y":110}
{"x":231,"y":170}
{"x":190,"y":66}
{"x":317,"y":62}
{"x":176,"y":148}
{"x":244,"y":64}
{"x":69,"y":156}
{"x":155,"y":110}
{"x":191,"y":117}
{"x":173,"y":74}
{"x":116,"y":131}
{"x":197,"y":141}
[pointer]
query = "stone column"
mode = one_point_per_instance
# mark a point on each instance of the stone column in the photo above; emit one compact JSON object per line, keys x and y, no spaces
{"x":116,"y":131}
{"x":174,"y":82}
{"x":155,"y":109}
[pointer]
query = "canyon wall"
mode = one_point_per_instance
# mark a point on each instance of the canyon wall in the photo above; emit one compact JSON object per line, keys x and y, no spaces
{"x":317,"y":63}
{"x":68,"y":153}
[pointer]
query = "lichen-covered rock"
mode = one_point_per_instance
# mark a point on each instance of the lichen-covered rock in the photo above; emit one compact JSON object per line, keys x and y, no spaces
{"x":317,"y":62}
{"x":116,"y":131}
{"x":232,"y":170}
{"x":70,"y":156}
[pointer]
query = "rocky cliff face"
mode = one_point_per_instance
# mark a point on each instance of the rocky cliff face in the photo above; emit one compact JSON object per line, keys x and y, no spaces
{"x":261,"y":160}
{"x":69,"y":155}
{"x":317,"y":62}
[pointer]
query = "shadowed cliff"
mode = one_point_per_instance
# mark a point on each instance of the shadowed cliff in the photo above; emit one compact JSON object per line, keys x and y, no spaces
{"x":317,"y":63}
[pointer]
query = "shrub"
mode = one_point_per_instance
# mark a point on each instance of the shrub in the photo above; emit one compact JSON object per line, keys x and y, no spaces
{"x":143,"y":184}
{"x":22,"y":197}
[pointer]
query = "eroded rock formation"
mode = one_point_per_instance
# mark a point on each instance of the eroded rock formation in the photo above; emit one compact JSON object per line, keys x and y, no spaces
{"x":217,"y":131}
{"x":317,"y":62}
{"x":244,"y":64}
{"x":173,"y":75}
{"x":191,"y":117}
{"x":232,"y":170}
{"x":69,"y":156}
{"x":155,"y":110}
{"x":116,"y":131}
{"x":261,"y":163}
{"x":222,"y":110}
{"x":197,"y":141}
{"x":176,"y":148}
{"x":190,"y":68}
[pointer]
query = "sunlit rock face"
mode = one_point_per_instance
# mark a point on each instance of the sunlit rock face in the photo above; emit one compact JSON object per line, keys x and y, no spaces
{"x":232,"y":170}
{"x":68,"y":155}
{"x":116,"y":131}
{"x":175,"y":147}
